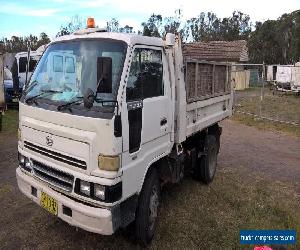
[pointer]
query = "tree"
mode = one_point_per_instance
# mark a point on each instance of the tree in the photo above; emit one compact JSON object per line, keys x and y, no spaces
{"x":113,"y":25}
{"x":126,"y":29}
{"x":172,"y":24}
{"x":208,"y":27}
{"x":262,"y":44}
{"x":18,"y":44}
{"x":76,"y":23}
{"x":153,"y":26}
{"x":43,"y":40}
{"x":276,"y":41}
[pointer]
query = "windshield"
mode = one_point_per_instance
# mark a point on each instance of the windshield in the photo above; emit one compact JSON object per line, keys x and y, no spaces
{"x":69,"y":68}
{"x":23,"y":64}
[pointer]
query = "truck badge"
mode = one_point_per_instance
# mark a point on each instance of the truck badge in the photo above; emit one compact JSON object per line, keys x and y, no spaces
{"x":49,"y":141}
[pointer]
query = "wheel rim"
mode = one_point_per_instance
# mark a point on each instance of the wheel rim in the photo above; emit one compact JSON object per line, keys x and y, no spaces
{"x":153,"y":207}
{"x":212,"y":162}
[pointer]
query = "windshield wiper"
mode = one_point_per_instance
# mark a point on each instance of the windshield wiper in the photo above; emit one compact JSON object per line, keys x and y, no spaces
{"x":48,"y":91}
{"x":31,"y":86}
{"x":69,"y":104}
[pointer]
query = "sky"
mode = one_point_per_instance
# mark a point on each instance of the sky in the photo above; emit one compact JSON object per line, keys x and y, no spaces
{"x":24,"y":17}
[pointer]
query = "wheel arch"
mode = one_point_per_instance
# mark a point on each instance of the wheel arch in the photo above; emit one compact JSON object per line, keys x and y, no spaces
{"x":156,"y":163}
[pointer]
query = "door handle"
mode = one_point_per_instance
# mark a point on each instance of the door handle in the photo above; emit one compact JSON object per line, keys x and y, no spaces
{"x":163,"y":121}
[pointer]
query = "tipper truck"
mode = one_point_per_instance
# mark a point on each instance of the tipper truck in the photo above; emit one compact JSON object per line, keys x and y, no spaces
{"x":107,"y":119}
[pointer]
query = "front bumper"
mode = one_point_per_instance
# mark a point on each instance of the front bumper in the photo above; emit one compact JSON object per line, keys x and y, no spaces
{"x":89,"y":218}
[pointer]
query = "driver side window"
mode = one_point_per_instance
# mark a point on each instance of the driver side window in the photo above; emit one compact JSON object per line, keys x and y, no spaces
{"x":146,"y":75}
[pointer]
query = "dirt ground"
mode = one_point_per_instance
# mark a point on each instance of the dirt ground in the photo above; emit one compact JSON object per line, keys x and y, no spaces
{"x":192,"y":215}
{"x":273,"y":154}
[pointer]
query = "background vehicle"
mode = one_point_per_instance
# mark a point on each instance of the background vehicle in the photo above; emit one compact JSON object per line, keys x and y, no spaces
{"x":288,"y":78}
{"x":60,"y":68}
{"x":295,"y":79}
{"x":96,"y":154}
{"x":10,"y":96}
{"x":19,"y":68}
{"x":2,"y":95}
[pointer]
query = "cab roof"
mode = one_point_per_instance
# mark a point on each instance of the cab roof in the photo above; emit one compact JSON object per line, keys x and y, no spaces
{"x":129,"y":38}
{"x":32,"y":54}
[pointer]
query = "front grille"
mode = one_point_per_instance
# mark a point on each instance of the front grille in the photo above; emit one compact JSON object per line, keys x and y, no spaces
{"x":55,"y":155}
{"x":53,"y":176}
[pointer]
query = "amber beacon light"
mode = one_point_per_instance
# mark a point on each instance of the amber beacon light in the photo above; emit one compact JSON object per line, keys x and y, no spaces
{"x":90,"y":22}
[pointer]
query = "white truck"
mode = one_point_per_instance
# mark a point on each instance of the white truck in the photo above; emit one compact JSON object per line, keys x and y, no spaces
{"x":140,"y":116}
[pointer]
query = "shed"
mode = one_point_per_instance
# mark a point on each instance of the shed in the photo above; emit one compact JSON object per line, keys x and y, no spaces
{"x":219,"y":51}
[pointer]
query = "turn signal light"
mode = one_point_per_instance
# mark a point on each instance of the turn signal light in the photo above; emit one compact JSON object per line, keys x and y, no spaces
{"x":90,"y":22}
{"x":109,"y":163}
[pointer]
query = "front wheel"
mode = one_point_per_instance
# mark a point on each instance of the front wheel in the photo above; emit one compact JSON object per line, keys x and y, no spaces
{"x":147,"y":210}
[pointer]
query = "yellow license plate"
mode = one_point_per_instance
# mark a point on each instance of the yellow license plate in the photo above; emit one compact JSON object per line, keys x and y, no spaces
{"x":49,"y":203}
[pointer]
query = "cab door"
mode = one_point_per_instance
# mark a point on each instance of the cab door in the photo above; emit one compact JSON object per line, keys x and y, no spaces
{"x":148,"y":101}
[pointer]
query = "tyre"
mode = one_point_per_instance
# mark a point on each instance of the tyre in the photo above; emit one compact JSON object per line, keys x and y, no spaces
{"x":207,"y":164}
{"x":147,"y":209}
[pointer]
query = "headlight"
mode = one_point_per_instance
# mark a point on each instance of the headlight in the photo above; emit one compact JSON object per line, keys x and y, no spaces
{"x":27,"y":164}
{"x":109,"y":163}
{"x":24,"y":162}
{"x":99,"y":191}
{"x":85,"y":188}
{"x":21,"y":159}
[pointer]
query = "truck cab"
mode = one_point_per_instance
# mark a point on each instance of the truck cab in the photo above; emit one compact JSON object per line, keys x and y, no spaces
{"x":99,"y":129}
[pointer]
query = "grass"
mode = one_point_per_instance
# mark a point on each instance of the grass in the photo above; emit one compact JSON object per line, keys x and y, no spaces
{"x":193,"y":216}
{"x":283,"y":107}
{"x":10,"y":122}
{"x":214,"y":215}
{"x":265,"y":124}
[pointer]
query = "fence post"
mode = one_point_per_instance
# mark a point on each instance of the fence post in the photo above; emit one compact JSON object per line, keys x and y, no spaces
{"x":0,"y":120}
{"x":262,"y":88}
{"x":263,"y":80}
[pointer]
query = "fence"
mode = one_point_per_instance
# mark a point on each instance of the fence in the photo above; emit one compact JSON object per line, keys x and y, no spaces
{"x":259,"y":98}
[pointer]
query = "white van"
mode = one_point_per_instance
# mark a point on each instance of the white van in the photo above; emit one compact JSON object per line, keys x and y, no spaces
{"x":21,"y":61}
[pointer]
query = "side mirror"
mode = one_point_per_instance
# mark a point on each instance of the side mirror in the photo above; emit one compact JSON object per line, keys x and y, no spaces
{"x":88,"y":98}
{"x":104,"y":75}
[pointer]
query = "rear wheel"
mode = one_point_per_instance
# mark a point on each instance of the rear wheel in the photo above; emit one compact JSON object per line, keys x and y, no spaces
{"x":147,"y":210}
{"x":206,"y":166}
